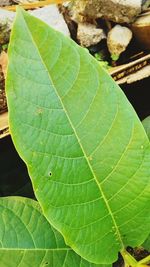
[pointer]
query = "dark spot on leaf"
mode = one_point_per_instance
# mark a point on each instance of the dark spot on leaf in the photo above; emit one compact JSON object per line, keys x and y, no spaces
{"x":50,"y":174}
{"x":46,"y":263}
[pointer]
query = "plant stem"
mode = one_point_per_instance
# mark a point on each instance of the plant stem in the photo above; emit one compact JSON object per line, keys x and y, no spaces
{"x":131,"y":262}
{"x":33,"y":5}
{"x":144,"y":261}
{"x":128,"y":259}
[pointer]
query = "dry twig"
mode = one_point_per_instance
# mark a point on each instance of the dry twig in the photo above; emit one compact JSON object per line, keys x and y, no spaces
{"x":34,"y":5}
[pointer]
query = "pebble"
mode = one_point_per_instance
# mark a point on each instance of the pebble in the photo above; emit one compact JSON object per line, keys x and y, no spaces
{"x":49,"y":14}
{"x":118,"y":39}
{"x":88,"y":34}
{"x":120,"y":11}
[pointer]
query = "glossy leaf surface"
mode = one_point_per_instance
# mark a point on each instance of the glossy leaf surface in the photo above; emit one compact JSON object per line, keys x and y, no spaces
{"x":86,"y":150}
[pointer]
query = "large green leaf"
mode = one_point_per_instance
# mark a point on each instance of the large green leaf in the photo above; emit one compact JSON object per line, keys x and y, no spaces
{"x":86,"y":151}
{"x":27,"y":239}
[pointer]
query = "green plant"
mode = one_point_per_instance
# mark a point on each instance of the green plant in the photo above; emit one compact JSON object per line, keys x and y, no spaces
{"x":114,"y":57}
{"x":29,"y":240}
{"x":103,"y":63}
{"x":5,"y":47}
{"x":86,"y":151}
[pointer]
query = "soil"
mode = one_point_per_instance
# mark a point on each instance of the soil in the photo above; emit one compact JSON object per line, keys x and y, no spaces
{"x":6,"y":2}
{"x":3,"y":104}
{"x":138,"y":253}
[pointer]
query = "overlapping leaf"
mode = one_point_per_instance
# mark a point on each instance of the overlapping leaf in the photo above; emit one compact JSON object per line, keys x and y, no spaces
{"x":86,"y":151}
{"x":27,"y":239}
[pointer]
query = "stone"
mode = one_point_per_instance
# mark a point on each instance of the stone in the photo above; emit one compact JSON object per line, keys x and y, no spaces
{"x":49,"y":14}
{"x":118,"y":39}
{"x":5,"y":2}
{"x":120,"y":11}
{"x":141,"y":30}
{"x":88,"y":34}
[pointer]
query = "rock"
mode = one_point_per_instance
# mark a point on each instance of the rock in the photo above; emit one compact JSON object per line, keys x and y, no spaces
{"x":5,"y":2}
{"x":118,"y":39}
{"x":72,"y":26}
{"x":141,"y":30}
{"x":49,"y":14}
{"x":88,"y":34}
{"x":119,"y":11}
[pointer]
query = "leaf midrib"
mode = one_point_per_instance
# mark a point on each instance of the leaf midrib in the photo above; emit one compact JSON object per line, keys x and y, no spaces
{"x":90,"y":167}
